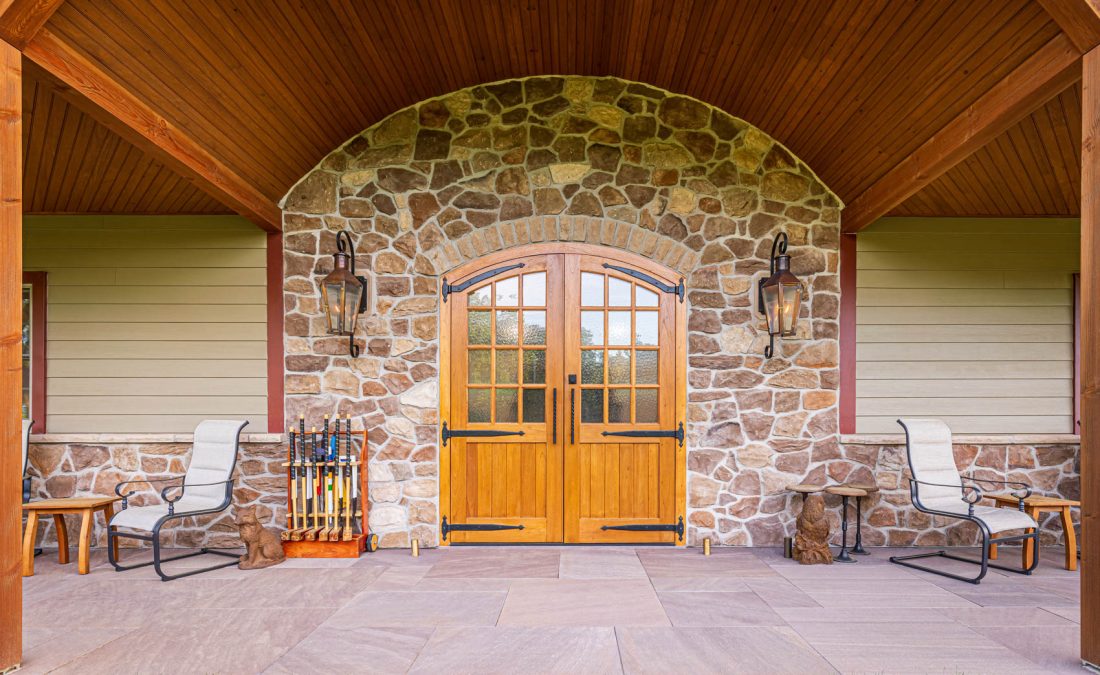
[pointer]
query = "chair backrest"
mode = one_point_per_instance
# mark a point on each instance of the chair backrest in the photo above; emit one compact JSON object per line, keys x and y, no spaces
{"x":26,"y":442}
{"x":213,"y":457}
{"x":931,"y":459}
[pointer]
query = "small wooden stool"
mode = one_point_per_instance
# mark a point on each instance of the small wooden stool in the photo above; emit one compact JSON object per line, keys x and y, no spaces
{"x":58,"y":508}
{"x":870,"y":489}
{"x":1033,"y":506}
{"x":844,"y":492}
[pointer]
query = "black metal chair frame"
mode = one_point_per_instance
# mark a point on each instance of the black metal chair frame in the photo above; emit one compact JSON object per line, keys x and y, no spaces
{"x":972,"y":494}
{"x":154,"y":537}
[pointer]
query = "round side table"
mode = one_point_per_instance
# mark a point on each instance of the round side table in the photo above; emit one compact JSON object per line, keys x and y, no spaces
{"x":844,"y":492}
{"x":870,"y":489}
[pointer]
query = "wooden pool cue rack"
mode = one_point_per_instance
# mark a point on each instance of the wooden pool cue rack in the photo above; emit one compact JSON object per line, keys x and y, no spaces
{"x":327,"y":506}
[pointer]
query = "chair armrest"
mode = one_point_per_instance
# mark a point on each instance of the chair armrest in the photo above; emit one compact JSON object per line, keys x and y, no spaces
{"x":150,"y":481}
{"x":1022,"y":491}
{"x":172,"y":501}
{"x":972,"y":494}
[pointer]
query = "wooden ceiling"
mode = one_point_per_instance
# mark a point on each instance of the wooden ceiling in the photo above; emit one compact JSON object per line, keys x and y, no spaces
{"x":269,"y":88}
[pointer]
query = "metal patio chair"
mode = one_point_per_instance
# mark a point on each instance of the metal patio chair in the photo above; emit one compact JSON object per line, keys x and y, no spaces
{"x":937,"y":488}
{"x":207,"y":487}
{"x":27,"y":424}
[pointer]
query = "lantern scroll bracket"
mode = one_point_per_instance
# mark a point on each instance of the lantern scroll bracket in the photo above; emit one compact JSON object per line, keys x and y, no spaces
{"x":678,"y":290}
{"x":458,"y":288}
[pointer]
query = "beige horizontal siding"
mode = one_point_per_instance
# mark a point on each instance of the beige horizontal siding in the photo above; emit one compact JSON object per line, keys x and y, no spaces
{"x":153,"y":323}
{"x":967,"y":320}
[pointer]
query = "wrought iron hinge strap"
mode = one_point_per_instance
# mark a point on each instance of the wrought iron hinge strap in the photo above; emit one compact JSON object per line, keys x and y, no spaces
{"x":678,"y":290}
{"x":481,"y":433}
{"x":677,"y":527}
{"x":458,"y":288}
{"x":447,"y":528}
{"x":677,"y":433}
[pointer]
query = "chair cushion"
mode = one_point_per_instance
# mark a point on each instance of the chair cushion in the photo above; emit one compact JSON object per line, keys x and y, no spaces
{"x":996,"y":519}
{"x":146,"y":517}
{"x":931,"y":458}
{"x":213,"y":456}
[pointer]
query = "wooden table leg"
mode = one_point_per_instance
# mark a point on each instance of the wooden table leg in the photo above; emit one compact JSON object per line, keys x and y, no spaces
{"x":62,"y":539}
{"x":108,"y":513}
{"x":1070,"y":538}
{"x":28,"y":543}
{"x":86,"y":526}
{"x":1029,"y":551}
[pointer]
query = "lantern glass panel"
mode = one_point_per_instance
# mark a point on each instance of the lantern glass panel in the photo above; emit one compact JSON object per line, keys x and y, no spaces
{"x":342,"y":294}
{"x":771,"y":307}
{"x":790,"y":301}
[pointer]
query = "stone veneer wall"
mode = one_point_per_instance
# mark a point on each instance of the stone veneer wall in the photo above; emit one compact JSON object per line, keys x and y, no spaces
{"x":598,"y":160}
{"x":79,"y":469}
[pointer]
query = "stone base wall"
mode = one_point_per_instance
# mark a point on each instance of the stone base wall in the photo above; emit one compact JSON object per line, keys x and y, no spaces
{"x":81,"y":469}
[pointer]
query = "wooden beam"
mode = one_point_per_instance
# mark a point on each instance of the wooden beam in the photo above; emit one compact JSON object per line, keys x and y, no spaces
{"x":1090,"y":358}
{"x":847,"y":333}
{"x":20,"y":20}
{"x":1040,"y":78}
{"x":1078,"y":19}
{"x":275,"y":349}
{"x":87,"y":86}
{"x":11,"y":355}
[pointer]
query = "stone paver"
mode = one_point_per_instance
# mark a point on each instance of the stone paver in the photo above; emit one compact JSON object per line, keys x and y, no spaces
{"x":576,"y":610}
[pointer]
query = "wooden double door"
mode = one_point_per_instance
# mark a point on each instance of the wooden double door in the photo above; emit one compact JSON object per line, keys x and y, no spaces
{"x":562,"y":399}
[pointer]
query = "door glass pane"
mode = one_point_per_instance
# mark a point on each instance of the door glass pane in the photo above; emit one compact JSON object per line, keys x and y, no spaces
{"x":508,"y":292}
{"x":591,"y":289}
{"x":645,"y":403}
{"x":481,"y":297}
{"x":534,"y":366}
{"x":534,"y":327}
{"x":618,"y":366}
{"x":534,"y":289}
{"x":591,"y":328}
{"x":507,"y":366}
{"x":645,"y":329}
{"x":477,"y":328}
{"x":645,"y":367}
{"x":618,"y":292}
{"x":507,"y":405}
{"x":477,"y":401}
{"x":592,"y":406}
{"x":618,"y":406}
{"x":478,"y":366}
{"x":592,"y":366}
{"x":645,"y":297}
{"x":507,"y":328}
{"x":618,"y":328}
{"x":534,"y":405}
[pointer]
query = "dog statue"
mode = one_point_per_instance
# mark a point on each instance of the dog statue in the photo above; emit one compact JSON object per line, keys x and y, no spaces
{"x":811,"y":543}
{"x":264,"y":549}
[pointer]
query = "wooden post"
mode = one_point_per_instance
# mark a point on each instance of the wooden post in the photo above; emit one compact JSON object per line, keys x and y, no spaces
{"x":11,"y":372}
{"x":1090,"y":358}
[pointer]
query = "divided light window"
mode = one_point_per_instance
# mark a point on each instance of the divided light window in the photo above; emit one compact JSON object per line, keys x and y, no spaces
{"x":27,"y":339}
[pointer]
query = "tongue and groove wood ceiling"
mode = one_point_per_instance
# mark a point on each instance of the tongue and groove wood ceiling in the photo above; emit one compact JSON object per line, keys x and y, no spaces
{"x":270,"y":87}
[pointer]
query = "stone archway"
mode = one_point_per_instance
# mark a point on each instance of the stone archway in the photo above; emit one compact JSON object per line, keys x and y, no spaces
{"x":598,"y":160}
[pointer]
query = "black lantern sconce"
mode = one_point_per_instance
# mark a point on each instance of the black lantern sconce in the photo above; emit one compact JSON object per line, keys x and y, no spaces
{"x":343,"y":292}
{"x":780,"y":295}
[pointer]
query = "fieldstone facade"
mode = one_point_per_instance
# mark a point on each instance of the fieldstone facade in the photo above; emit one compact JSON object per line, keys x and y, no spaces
{"x":597,"y":160}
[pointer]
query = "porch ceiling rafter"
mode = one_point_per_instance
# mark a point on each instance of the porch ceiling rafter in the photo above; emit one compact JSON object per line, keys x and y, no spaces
{"x":1078,"y":19}
{"x":20,"y":20}
{"x":1048,"y":72}
{"x":94,"y":92}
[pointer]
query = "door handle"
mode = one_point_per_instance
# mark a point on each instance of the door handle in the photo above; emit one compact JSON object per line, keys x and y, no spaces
{"x":554,"y":427}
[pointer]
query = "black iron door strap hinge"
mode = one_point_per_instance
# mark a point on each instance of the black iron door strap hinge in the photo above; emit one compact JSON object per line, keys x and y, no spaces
{"x":480,"y":433}
{"x":447,"y":528}
{"x":458,"y":288}
{"x":677,"y":527}
{"x":677,"y":290}
{"x":677,"y":433}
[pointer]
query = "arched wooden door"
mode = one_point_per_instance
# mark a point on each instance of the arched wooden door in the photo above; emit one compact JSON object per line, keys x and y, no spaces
{"x":562,"y":399}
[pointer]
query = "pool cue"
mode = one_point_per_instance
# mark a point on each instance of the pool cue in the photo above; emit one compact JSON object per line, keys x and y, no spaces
{"x":298,"y":469}
{"x":292,"y":513}
{"x":315,"y":487}
{"x":334,"y":446}
{"x":347,"y":484}
{"x":323,"y":534}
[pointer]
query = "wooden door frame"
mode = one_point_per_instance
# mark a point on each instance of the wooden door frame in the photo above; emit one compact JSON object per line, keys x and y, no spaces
{"x":658,"y":270}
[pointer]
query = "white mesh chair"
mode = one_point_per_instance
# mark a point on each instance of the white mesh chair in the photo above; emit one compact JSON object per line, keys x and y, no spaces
{"x":207,"y":487}
{"x":937,"y":488}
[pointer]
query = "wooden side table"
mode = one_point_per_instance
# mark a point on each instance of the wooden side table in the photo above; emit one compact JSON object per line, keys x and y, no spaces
{"x":1033,"y":506}
{"x":59,"y":508}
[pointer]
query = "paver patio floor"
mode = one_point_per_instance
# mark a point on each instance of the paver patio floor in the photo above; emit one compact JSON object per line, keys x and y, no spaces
{"x":544,"y":609}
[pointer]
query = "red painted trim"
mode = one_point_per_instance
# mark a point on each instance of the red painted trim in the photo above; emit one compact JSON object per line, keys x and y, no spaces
{"x":37,"y":281}
{"x":275,"y":332}
{"x":847,"y":333}
{"x":1075,"y":423}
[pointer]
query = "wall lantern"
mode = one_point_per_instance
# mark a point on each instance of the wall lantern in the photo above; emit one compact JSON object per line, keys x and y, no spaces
{"x":343,"y":293}
{"x":780,"y":295}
